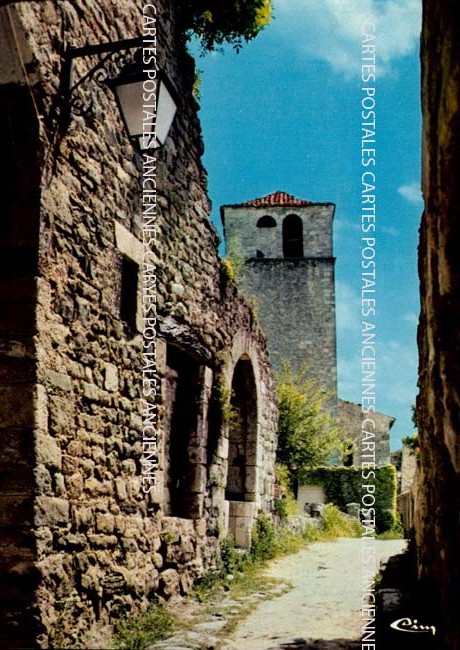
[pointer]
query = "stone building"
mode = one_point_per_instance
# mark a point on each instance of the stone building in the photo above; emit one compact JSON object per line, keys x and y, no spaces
{"x":437,"y":499}
{"x":83,"y":537}
{"x":350,"y":419}
{"x":396,"y":460}
{"x":405,"y":462}
{"x":286,"y":246}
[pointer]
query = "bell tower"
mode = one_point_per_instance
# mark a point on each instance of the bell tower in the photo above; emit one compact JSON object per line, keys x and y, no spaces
{"x":286,"y":245}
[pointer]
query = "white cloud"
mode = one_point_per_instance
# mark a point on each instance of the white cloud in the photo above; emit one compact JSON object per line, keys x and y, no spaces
{"x":411,"y":318}
{"x":397,"y":366}
{"x":411,"y":192}
{"x":331,"y":30}
{"x":348,"y":376}
{"x":348,"y":308}
{"x":390,"y":230}
{"x":343,"y":225}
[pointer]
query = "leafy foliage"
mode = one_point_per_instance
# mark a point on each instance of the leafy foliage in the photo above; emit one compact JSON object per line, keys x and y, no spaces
{"x":413,"y":443}
{"x":342,"y":485}
{"x":286,"y":504}
{"x":232,"y":560}
{"x":337,"y":524}
{"x":196,"y":89}
{"x":228,"y":272}
{"x":138,"y":633}
{"x":306,"y":432}
{"x":263,"y":539}
{"x":227,"y":411}
{"x":232,"y":265}
{"x":217,"y":22}
{"x":385,"y":497}
{"x":397,"y":532}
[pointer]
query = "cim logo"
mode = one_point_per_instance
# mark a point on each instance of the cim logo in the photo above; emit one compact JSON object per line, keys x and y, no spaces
{"x":413,"y":626}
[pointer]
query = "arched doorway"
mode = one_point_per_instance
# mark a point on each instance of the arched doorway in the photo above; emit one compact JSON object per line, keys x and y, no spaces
{"x":240,"y":489}
{"x":242,"y":434}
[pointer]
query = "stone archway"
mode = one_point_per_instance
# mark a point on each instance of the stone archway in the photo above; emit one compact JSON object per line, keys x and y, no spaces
{"x":242,"y":434}
{"x":241,"y":484}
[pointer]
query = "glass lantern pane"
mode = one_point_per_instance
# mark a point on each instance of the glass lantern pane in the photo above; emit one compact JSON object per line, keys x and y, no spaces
{"x":130,"y":99}
{"x":166,"y":109}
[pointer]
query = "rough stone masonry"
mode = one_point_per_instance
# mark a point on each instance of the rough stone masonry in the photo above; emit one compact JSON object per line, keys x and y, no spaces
{"x":81,"y":543}
{"x":437,"y":500}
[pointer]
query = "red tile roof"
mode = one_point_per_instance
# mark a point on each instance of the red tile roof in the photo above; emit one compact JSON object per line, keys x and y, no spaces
{"x":274,"y":200}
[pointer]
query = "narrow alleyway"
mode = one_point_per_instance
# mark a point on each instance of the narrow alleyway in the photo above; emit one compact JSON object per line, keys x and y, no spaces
{"x":321,"y":611}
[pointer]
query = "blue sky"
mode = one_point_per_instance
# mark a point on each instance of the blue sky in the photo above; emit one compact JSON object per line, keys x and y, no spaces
{"x":284,"y":114}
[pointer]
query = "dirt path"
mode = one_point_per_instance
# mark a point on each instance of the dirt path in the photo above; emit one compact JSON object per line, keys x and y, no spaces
{"x":322,"y":610}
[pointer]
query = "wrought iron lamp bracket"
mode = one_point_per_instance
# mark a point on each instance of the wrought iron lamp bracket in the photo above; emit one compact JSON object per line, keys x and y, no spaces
{"x":112,"y":56}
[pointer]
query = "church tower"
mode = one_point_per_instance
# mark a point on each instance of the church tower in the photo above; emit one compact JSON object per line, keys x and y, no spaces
{"x":286,"y":245}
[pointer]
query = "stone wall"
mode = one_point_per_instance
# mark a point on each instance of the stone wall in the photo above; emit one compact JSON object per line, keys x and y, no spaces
{"x":295,"y":305}
{"x":438,"y":411}
{"x":350,"y":421}
{"x":408,"y":468}
{"x":405,"y":462}
{"x":22,"y":158}
{"x":75,"y":522}
{"x":294,"y":297}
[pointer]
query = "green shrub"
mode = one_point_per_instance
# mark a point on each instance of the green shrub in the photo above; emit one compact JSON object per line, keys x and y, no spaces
{"x":227,"y":411}
{"x":232,"y":266}
{"x":228,"y":272}
{"x":385,"y":497}
{"x":280,"y":507}
{"x":288,"y":542}
{"x":337,"y":524}
{"x":138,"y":633}
{"x":343,"y":485}
{"x":207,"y":585}
{"x":311,"y":534}
{"x":232,"y":560}
{"x":289,"y":507}
{"x":263,"y":539}
{"x":286,"y":505}
{"x":396,"y":532}
{"x":413,"y":443}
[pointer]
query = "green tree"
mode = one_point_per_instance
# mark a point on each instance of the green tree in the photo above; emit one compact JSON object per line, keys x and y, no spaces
{"x":217,"y":22}
{"x":413,"y":443}
{"x":307,"y":434}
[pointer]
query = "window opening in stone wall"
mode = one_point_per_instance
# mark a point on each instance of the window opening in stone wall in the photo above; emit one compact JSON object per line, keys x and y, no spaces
{"x":292,"y":236}
{"x":181,"y":421}
{"x":242,"y":434}
{"x":128,"y":292}
{"x":266,"y":222}
{"x":266,"y":237}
